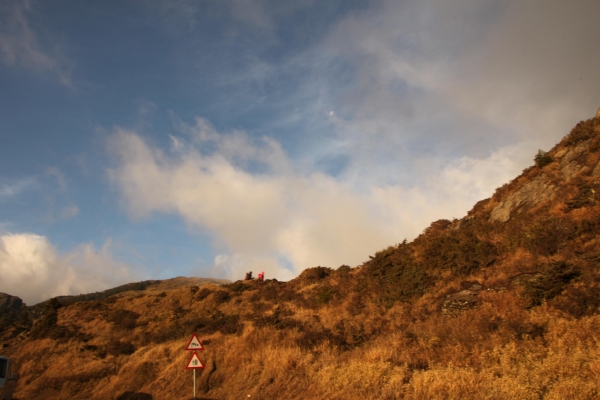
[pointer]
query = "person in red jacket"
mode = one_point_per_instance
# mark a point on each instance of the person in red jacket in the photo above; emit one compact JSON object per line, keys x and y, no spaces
{"x":261,"y":276}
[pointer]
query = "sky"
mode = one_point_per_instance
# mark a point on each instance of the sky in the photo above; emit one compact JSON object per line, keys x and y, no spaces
{"x":154,"y":139}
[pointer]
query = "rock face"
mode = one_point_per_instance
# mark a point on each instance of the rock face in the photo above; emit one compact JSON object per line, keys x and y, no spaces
{"x":571,"y":162}
{"x":538,"y":190}
{"x":9,"y":303}
{"x":464,"y":300}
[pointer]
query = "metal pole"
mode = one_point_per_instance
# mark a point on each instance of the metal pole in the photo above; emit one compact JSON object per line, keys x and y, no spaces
{"x":194,"y":383}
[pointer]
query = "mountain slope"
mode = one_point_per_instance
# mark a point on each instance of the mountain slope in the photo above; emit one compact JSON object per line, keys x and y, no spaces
{"x":503,"y":303}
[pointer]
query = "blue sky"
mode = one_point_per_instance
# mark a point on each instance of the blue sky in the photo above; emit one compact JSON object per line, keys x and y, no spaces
{"x":152,"y":139}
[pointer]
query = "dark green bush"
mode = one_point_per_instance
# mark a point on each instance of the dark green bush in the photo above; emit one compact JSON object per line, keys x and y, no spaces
{"x":461,"y":252}
{"x":394,"y":274}
{"x":542,"y":159}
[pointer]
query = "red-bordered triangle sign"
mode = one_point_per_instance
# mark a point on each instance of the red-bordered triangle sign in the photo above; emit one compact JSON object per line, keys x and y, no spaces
{"x":194,"y":362}
{"x":194,"y":343}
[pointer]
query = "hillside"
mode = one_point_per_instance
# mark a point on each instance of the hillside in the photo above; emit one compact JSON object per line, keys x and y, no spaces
{"x":501,"y":304}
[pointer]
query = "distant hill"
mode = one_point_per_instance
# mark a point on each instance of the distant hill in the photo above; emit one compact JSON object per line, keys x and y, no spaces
{"x":501,"y":304}
{"x":150,"y":285}
{"x":16,"y":315}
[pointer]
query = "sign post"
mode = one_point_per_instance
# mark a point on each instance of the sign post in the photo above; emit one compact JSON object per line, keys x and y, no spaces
{"x":194,"y":362}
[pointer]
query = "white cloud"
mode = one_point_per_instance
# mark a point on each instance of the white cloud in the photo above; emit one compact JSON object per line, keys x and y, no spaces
{"x":278,"y":219}
{"x":31,"y":268}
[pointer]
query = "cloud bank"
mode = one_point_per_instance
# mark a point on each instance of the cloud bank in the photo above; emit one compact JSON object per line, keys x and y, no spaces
{"x":265,"y":214}
{"x":31,"y":268}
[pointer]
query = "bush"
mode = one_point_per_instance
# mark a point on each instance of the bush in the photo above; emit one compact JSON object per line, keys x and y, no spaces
{"x":46,"y":326}
{"x":579,"y":301}
{"x":221,"y":296}
{"x":582,"y":131}
{"x":394,"y":274}
{"x":462,"y":253}
{"x":542,"y":159}
{"x":586,"y":196}
{"x":124,"y":319}
{"x":202,"y":294}
{"x":316,"y":273}
{"x":219,"y":322}
{"x":325,"y":295}
{"x":117,"y":348}
{"x":549,"y":236}
{"x":550,"y":282}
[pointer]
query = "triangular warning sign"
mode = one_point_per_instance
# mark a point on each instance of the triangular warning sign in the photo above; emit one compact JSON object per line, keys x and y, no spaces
{"x":194,"y":362}
{"x":194,"y":343}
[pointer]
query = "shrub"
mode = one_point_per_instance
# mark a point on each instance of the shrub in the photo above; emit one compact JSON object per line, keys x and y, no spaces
{"x":219,"y":322}
{"x":394,"y":274}
{"x":542,"y":159}
{"x":550,"y":282}
{"x":124,"y":319}
{"x":549,"y":236}
{"x":343,"y":270}
{"x":117,"y":348}
{"x":46,"y":325}
{"x":582,"y":131}
{"x":202,"y":294}
{"x":316,"y":273}
{"x":279,"y":320}
{"x":221,"y":296}
{"x":325,"y":295}
{"x":461,"y":253}
{"x":239,"y":287}
{"x":579,"y":301}
{"x":586,"y":196}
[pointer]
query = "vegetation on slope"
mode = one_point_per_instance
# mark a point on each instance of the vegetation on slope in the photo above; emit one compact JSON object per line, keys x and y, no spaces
{"x":503,"y":303}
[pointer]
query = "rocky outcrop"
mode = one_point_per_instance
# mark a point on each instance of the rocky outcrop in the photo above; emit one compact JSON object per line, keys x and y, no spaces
{"x":538,"y":190}
{"x":456,"y":303}
{"x":572,"y":161}
{"x":9,"y":303}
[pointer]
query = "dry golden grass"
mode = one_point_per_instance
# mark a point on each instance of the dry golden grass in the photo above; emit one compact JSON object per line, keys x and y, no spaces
{"x":500,"y":350}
